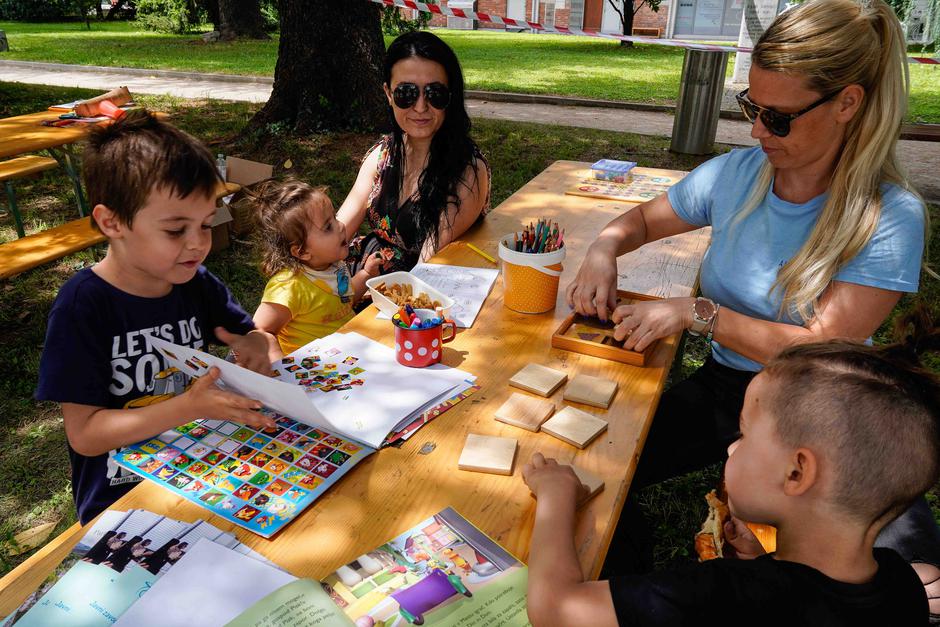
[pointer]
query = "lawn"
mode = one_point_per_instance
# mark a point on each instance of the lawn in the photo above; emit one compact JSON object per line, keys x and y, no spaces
{"x":33,"y":460}
{"x":497,"y":61}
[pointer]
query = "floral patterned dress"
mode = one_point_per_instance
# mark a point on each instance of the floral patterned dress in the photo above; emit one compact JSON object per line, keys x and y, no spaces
{"x":394,"y":233}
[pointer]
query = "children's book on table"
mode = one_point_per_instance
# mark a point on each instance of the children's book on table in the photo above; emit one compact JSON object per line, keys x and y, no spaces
{"x":335,"y":401}
{"x":121,"y":556}
{"x":443,"y":571}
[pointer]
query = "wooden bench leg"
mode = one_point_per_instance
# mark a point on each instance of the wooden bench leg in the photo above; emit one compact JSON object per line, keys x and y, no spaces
{"x":17,"y":218}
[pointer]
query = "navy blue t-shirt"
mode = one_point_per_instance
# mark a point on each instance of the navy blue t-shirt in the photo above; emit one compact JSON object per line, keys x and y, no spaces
{"x":770,"y":592}
{"x":96,"y":353}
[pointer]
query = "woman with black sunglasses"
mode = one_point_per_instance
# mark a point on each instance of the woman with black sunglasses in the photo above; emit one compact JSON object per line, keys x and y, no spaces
{"x":424,"y":184}
{"x":815,"y":234}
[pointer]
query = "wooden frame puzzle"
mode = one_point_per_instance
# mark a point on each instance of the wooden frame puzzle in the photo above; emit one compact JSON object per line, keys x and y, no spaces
{"x":590,"y":336}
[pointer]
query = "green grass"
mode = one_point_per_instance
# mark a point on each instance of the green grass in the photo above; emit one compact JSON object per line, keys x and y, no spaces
{"x":33,"y":460}
{"x":519,"y":62}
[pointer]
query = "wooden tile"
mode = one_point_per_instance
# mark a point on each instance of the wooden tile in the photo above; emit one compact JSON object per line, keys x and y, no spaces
{"x":488,"y":453}
{"x":525,"y":412}
{"x":538,"y":379}
{"x":591,"y":391}
{"x":574,"y":426}
{"x":592,"y":482}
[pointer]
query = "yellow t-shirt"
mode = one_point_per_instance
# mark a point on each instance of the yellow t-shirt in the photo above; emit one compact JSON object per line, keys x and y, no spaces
{"x":316,"y":305}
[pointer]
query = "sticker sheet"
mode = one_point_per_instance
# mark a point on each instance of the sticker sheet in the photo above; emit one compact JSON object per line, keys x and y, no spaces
{"x":258,"y":479}
{"x":645,"y":184}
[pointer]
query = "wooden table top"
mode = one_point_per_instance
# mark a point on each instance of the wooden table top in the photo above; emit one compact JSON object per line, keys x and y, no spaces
{"x":25,"y":133}
{"x":391,"y":491}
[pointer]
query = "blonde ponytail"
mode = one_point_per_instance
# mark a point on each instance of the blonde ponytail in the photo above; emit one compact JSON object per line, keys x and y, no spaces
{"x":833,"y":44}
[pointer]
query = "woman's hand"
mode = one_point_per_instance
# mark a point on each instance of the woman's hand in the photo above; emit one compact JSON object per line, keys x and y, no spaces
{"x":646,"y":321}
{"x":594,"y":291}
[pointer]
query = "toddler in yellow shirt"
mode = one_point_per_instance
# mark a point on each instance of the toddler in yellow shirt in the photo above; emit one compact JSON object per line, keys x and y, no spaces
{"x":310,"y":293}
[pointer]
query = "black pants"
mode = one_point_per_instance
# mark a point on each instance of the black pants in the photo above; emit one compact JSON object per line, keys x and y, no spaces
{"x":695,"y":422}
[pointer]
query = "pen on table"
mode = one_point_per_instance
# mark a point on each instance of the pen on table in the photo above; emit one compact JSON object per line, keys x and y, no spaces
{"x":481,"y":253}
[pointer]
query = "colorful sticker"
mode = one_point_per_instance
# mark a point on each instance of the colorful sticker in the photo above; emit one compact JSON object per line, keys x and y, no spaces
{"x":243,"y":434}
{"x":151,"y":446}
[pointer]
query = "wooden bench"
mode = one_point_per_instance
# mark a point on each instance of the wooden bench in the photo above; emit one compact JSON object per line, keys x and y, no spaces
{"x":34,"y":250}
{"x":18,"y":168}
{"x":646,"y":32}
{"x":31,"y":251}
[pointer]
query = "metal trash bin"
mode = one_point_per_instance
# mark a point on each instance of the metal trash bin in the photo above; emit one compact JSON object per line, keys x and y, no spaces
{"x":696,"y":121}
{"x":4,"y":45}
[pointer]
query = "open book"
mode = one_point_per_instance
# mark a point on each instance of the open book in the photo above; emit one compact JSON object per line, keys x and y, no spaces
{"x":443,"y":571}
{"x":373,"y":396}
{"x":261,"y":479}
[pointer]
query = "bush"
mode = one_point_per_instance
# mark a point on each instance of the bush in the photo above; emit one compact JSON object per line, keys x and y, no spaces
{"x":272,"y":20}
{"x":393,"y":23}
{"x":168,"y":16}
{"x":26,"y":10}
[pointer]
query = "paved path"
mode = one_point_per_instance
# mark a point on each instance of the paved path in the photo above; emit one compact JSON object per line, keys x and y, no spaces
{"x":921,"y":159}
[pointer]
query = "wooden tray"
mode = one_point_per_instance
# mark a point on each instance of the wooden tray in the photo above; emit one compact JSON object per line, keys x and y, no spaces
{"x":573,"y":334}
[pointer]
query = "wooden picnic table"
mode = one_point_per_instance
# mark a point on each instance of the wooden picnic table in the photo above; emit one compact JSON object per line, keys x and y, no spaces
{"x":394,"y":489}
{"x":25,"y":133}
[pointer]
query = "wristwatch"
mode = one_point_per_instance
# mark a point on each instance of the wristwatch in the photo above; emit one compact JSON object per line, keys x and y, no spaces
{"x":704,"y":311}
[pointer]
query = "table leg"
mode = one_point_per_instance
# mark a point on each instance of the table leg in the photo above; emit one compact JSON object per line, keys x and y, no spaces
{"x":64,"y":157}
{"x":17,"y":218}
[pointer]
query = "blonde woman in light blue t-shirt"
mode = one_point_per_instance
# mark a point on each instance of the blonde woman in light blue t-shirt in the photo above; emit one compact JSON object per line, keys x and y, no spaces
{"x":816,"y":234}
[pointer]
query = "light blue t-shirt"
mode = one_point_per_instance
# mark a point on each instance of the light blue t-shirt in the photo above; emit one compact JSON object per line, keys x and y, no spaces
{"x":742,"y":262}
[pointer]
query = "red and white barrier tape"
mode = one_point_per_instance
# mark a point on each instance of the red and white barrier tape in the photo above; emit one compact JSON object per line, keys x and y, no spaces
{"x":564,"y":30}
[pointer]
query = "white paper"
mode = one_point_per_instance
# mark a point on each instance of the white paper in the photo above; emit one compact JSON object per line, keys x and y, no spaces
{"x":468,"y":287}
{"x":210,"y":585}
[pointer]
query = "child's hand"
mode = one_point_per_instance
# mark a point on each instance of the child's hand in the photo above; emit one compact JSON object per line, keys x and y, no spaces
{"x":373,"y":264}
{"x":744,"y":543}
{"x":548,"y":479}
{"x":251,"y":351}
{"x":209,"y":401}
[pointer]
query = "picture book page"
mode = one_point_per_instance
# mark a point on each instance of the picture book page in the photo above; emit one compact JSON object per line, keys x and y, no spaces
{"x":210,"y":585}
{"x":302,"y":603}
{"x":443,"y":571}
{"x":358,"y":384}
{"x":284,"y":399}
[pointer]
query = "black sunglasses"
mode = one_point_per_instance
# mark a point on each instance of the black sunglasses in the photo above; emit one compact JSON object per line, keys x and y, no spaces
{"x":406,"y":95}
{"x":776,"y":122}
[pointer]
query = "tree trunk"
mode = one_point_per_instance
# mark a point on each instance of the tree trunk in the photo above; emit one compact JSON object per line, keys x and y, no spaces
{"x":212,"y":10}
{"x":241,"y":18}
{"x":627,"y":21}
{"x":329,"y":68}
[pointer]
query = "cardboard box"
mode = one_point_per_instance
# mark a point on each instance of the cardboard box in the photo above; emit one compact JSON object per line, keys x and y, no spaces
{"x":245,"y":173}
{"x":233,"y":215}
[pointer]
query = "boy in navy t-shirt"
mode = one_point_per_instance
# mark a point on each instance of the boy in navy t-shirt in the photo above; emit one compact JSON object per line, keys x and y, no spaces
{"x":837,"y":439}
{"x":153,"y":189}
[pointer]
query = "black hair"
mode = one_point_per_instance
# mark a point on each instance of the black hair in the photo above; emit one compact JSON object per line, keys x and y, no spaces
{"x":451,"y":150}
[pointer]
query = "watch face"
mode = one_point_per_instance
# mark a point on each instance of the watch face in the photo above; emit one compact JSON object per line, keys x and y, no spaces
{"x":704,"y":309}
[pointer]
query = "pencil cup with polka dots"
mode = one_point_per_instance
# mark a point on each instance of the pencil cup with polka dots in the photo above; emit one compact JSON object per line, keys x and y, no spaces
{"x":418,"y":348}
{"x":530,"y":280}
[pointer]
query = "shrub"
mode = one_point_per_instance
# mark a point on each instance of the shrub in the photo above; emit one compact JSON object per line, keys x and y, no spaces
{"x":168,"y":16}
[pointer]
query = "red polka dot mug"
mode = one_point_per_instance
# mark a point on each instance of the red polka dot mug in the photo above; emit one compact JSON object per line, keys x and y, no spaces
{"x":418,"y":348}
